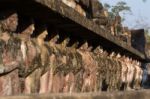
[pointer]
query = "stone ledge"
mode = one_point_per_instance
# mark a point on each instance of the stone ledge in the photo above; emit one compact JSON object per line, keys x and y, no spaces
{"x":144,"y":94}
{"x":53,"y":11}
{"x":64,"y":10}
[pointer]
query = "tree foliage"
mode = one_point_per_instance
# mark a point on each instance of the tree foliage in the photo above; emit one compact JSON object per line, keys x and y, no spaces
{"x":114,"y":10}
{"x":119,"y":7}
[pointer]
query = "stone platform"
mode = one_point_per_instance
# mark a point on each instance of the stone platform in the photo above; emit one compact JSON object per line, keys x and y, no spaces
{"x":144,"y":94}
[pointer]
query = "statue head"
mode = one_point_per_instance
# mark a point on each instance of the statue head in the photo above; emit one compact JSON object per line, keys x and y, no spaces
{"x":43,"y":34}
{"x":84,"y":47}
{"x":9,"y":23}
{"x":65,"y":42}
{"x":54,"y":39}
{"x":29,"y":28}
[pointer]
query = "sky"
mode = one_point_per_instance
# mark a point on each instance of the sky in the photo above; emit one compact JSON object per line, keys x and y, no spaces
{"x":140,"y":16}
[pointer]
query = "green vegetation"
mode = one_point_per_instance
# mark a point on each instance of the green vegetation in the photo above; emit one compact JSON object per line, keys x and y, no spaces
{"x":121,"y":6}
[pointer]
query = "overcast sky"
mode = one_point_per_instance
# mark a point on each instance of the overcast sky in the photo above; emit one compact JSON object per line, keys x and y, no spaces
{"x":140,"y":13}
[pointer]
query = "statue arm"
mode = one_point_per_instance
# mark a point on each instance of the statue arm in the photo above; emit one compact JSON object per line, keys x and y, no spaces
{"x":8,"y":67}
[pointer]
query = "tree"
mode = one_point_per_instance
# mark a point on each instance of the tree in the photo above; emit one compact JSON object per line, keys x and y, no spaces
{"x":121,"y":6}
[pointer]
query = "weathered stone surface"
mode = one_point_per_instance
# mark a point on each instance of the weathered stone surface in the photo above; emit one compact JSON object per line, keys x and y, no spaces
{"x":63,"y":10}
{"x":55,"y":12}
{"x":145,"y":94}
{"x":10,"y":56}
{"x":138,"y":40}
{"x":55,"y":67}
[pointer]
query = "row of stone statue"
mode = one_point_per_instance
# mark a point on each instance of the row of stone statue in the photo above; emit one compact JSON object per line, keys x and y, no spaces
{"x":33,"y":65}
{"x":94,"y":10}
